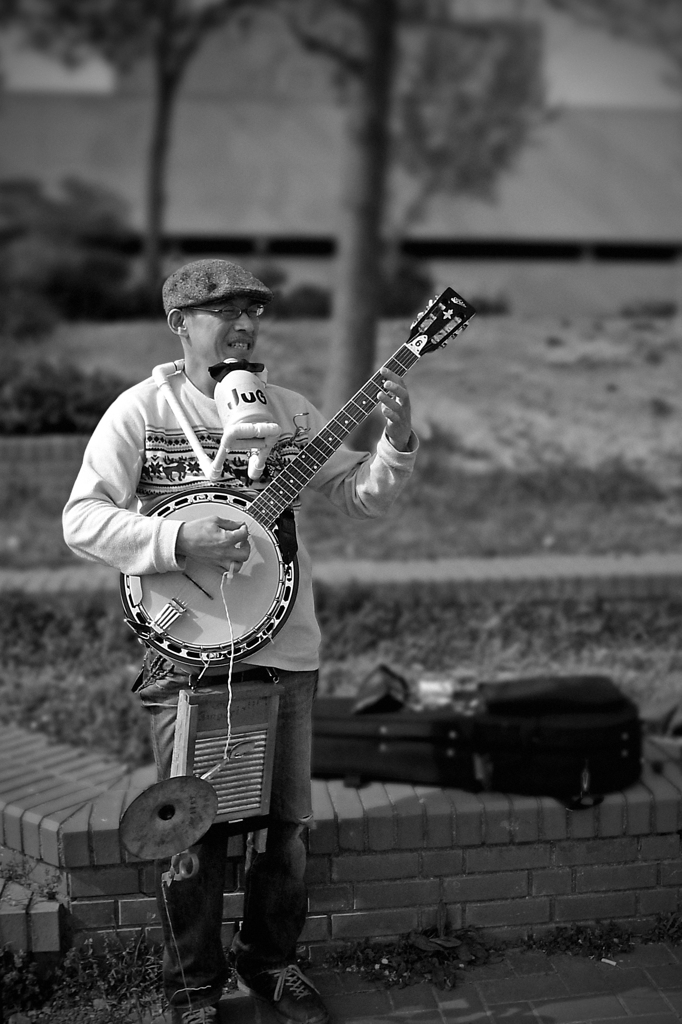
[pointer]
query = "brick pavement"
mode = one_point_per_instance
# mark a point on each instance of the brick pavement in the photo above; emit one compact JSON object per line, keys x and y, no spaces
{"x":644,"y":987}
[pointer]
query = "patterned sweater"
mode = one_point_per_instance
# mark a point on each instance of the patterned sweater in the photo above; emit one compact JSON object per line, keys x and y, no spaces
{"x":138,"y":454}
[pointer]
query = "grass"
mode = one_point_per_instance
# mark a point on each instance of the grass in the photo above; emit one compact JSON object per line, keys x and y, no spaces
{"x":448,"y":511}
{"x":67,"y":670}
{"x":424,"y":629}
{"x":444,"y":512}
{"x":69,"y":661}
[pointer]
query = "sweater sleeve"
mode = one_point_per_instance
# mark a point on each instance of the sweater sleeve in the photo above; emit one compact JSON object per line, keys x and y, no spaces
{"x":101,"y":520}
{"x":362,"y":485}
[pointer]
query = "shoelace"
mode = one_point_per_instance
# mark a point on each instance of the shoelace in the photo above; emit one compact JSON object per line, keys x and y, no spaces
{"x":294,"y":979}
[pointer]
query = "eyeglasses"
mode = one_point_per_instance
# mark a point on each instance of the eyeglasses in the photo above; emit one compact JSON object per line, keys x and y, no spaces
{"x":232,"y":312}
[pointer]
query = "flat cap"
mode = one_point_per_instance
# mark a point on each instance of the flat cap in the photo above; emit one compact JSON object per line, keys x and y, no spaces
{"x":203,"y":281}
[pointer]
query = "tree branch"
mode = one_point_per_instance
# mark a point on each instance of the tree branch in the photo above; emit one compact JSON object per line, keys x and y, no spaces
{"x":326,"y":47}
{"x":191,"y":29}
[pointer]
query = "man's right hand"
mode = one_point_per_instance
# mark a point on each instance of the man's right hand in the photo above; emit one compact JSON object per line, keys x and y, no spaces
{"x":219,"y":541}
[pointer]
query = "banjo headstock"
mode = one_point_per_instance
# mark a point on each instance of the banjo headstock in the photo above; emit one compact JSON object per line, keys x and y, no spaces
{"x":444,"y":317}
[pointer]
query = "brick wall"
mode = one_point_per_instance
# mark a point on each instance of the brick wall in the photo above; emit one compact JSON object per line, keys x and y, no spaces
{"x":381,"y":858}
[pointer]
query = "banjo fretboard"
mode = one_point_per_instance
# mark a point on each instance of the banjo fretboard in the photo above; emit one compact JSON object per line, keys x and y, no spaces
{"x":447,"y":315}
{"x":288,"y":484}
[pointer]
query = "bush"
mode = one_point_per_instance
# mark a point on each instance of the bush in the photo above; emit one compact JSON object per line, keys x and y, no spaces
{"x":491,"y":305}
{"x":403,"y":293}
{"x":45,"y":398}
{"x":304,"y":302}
{"x":63,"y":256}
{"x":270,"y":273}
{"x":29,"y":316}
{"x":406,"y":289}
{"x":653,"y":308}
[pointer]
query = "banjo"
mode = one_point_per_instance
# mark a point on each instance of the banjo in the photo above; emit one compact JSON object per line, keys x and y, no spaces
{"x":203,"y":618}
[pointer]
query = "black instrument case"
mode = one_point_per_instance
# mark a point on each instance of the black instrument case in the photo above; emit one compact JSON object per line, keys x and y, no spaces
{"x":421,"y":747}
{"x":574,"y":738}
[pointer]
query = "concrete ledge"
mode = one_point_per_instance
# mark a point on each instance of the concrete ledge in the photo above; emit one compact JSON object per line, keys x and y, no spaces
{"x":381,"y":858}
{"x":551,"y":577}
{"x":529,"y":577}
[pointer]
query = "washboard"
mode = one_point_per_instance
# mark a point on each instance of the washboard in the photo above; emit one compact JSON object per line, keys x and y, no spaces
{"x":243,"y":784}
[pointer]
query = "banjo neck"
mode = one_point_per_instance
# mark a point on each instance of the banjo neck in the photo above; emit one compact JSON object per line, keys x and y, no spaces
{"x":259,"y":604}
{"x":288,"y":484}
{"x":447,"y":315}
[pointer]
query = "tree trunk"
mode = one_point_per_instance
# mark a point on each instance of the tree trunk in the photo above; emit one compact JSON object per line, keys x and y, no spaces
{"x":165,"y":89}
{"x":358,"y":284}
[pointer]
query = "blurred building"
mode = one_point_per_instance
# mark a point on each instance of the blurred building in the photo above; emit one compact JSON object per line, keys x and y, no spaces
{"x":255,"y":170}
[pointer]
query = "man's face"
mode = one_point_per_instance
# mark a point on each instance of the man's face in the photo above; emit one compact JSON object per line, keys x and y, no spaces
{"x":213,"y":337}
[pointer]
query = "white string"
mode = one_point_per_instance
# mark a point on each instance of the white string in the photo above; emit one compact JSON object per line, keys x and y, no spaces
{"x":172,"y":931}
{"x":225,"y":756}
{"x":212,"y":469}
{"x":185,"y":987}
{"x":231,"y":666}
{"x":161,"y":376}
{"x":219,"y":765}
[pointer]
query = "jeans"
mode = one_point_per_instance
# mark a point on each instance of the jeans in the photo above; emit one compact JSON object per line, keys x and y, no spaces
{"x":275,"y":894}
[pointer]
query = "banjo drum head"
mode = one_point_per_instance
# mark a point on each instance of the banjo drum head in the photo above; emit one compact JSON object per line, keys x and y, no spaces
{"x":201,"y":613}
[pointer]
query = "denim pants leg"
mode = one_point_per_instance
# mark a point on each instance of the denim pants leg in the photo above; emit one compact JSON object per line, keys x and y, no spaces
{"x":194,"y":967}
{"x":275,"y":892}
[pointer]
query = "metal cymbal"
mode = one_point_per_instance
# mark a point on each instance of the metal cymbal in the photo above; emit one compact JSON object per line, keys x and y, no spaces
{"x":168,"y":817}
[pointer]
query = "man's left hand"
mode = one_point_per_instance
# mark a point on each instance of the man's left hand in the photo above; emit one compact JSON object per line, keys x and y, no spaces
{"x":395,"y":408}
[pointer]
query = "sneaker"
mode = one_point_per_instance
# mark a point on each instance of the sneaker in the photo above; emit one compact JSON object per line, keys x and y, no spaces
{"x":292,"y":997}
{"x":195,"y":1015}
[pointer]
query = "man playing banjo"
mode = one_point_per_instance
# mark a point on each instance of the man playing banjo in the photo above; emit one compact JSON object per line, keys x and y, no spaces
{"x":138,"y":454}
